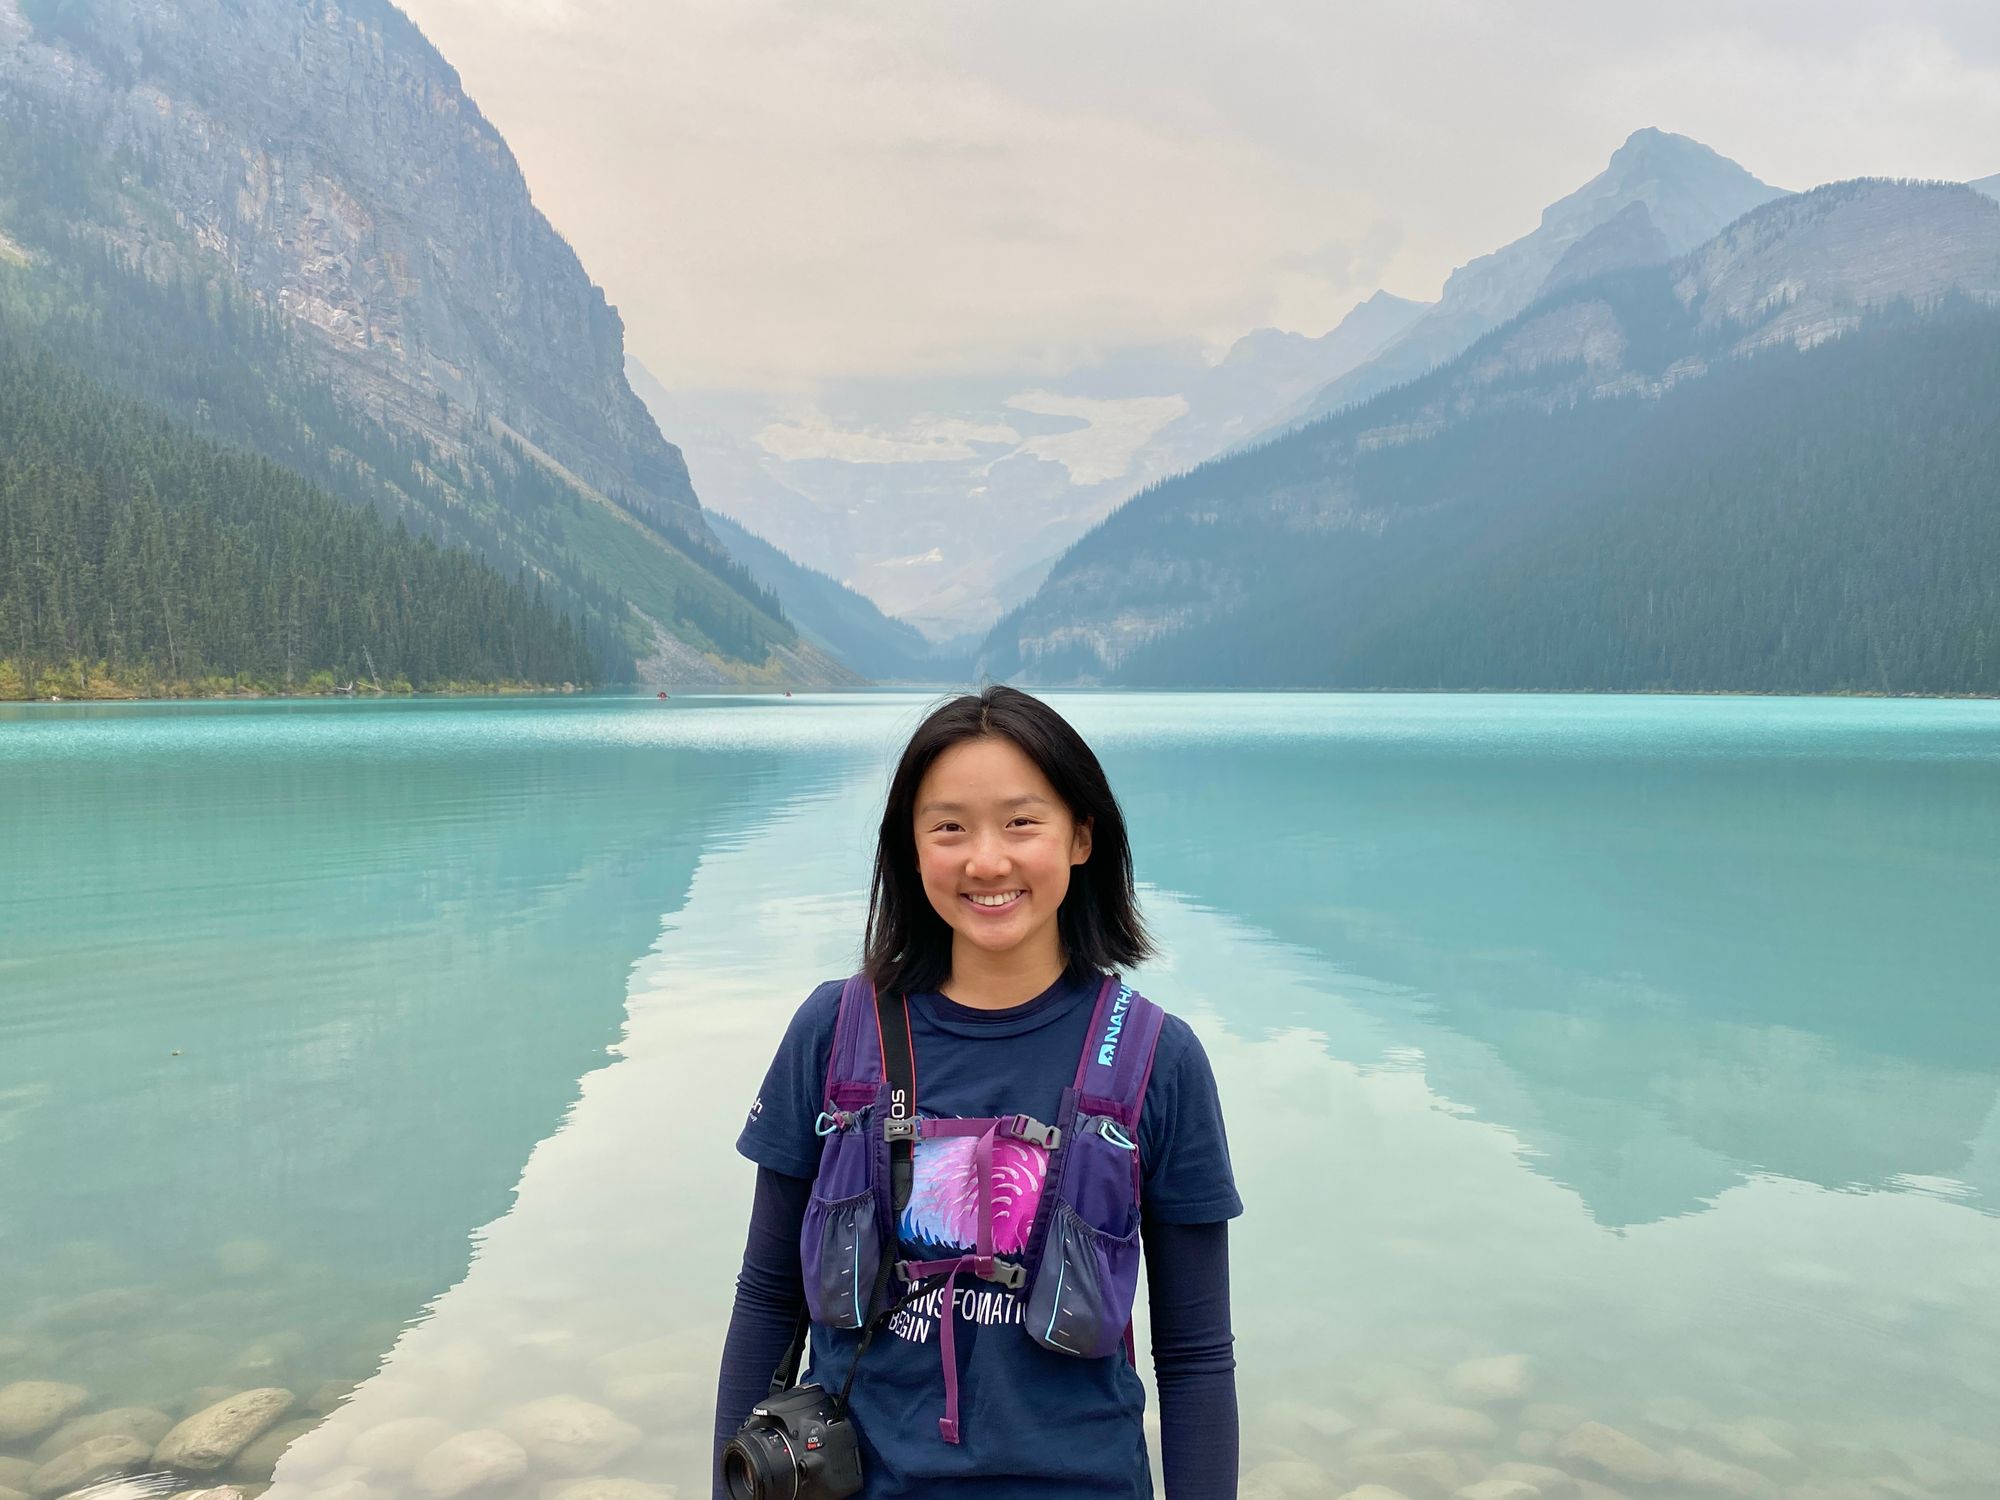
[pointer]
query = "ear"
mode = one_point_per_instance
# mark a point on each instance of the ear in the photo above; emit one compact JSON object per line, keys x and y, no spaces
{"x":1079,"y":844}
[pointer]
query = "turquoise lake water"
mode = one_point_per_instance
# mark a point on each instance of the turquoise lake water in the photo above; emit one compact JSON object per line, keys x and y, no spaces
{"x":1653,"y":1040}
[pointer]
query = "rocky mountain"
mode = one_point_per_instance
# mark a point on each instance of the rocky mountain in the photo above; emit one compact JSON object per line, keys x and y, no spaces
{"x":321,"y":160}
{"x":1732,"y":445}
{"x":945,"y":499}
{"x":1688,"y":192}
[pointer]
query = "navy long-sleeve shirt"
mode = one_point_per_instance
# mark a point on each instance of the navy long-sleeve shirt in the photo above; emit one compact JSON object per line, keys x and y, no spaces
{"x":1194,"y":1366}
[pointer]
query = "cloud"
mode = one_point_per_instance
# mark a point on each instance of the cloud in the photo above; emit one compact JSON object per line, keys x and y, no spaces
{"x":778,"y":194}
{"x":1346,"y":262}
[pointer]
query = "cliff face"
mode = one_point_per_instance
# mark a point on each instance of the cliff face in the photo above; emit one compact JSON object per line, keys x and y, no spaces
{"x":326,"y":153}
{"x":442,"y":347}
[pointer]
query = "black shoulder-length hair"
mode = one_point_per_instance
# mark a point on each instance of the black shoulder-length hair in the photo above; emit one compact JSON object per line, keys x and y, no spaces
{"x":908,"y":946}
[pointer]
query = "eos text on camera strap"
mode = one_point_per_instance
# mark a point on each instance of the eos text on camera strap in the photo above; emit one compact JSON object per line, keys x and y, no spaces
{"x":899,"y":1068}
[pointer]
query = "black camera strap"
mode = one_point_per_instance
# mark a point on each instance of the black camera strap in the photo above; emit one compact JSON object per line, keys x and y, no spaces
{"x":788,"y":1367}
{"x":899,"y":1068}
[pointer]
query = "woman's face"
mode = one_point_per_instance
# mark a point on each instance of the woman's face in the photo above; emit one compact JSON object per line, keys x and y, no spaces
{"x":995,"y":844}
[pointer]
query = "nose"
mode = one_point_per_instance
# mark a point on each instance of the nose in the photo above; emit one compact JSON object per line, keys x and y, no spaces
{"x":986,"y":859}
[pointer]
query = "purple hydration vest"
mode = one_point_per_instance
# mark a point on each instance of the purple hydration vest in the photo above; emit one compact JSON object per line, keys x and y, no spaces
{"x":1079,"y":1269}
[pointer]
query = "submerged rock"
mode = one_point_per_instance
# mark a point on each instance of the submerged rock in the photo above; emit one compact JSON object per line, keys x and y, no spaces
{"x":202,"y":1397}
{"x":664,"y":1390}
{"x":1752,"y":1441}
{"x":14,"y":1472}
{"x":1487,"y":1382}
{"x":12,"y":1494}
{"x":216,"y":1434}
{"x":1305,"y":1420}
{"x":1699,"y":1471}
{"x":29,"y":1408}
{"x":140,"y":1422}
{"x":89,"y":1462}
{"x":470,"y":1462}
{"x":1419,"y":1474}
{"x":393,"y":1447}
{"x":569,"y":1434}
{"x":1434,"y":1422}
{"x":1615,"y":1454}
{"x":1374,"y":1492}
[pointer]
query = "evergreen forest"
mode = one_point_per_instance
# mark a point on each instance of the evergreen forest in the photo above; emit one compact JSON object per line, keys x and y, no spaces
{"x":1824,"y":520}
{"x":177,"y":336}
{"x":137,"y":559}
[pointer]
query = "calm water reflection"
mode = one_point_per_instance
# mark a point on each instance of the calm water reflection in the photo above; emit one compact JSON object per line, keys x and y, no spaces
{"x":1648,"y":1039}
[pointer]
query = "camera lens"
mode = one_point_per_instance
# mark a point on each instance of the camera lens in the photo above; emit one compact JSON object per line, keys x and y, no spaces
{"x":757,"y":1465}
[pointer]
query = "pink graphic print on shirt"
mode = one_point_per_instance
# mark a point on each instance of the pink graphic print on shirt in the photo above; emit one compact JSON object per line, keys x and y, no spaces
{"x":943,"y":1212}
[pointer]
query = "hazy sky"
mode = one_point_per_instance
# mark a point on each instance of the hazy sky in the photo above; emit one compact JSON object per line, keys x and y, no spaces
{"x":775,"y":192}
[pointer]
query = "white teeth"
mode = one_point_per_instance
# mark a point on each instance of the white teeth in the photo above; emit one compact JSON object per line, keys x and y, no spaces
{"x":1000,"y":900}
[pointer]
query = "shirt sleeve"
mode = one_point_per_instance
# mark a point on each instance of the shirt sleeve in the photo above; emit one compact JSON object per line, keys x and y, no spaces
{"x":770,"y":1298}
{"x":779,"y":1133}
{"x":1194,"y":1363}
{"x":1184,"y":1151}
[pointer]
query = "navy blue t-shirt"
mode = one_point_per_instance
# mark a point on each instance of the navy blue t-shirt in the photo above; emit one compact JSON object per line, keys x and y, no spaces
{"x":1032,"y":1422}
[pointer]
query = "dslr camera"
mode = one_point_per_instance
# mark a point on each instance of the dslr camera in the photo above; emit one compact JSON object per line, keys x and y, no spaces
{"x":799,"y":1445}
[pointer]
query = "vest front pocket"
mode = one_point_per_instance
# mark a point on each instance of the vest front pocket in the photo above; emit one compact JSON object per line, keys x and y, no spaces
{"x":1082,"y":1296}
{"x":1098,"y":1177}
{"x":841,"y":1252}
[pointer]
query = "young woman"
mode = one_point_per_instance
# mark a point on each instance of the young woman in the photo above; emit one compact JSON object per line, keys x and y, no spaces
{"x":1002,"y":900}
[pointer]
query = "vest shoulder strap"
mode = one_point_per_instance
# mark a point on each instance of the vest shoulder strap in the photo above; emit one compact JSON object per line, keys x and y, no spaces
{"x":1117,"y":1060}
{"x":854,"y":1066}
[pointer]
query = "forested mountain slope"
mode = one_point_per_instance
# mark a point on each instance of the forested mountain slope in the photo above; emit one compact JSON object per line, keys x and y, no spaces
{"x":846,"y":624}
{"x":1770,"y":465}
{"x":314,"y":174}
{"x":136,"y":559}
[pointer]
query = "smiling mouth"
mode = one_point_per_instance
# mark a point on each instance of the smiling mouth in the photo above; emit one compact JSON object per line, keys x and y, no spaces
{"x":995,"y":901}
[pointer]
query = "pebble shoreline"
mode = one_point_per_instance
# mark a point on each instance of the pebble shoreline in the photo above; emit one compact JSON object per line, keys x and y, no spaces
{"x":1475,"y":1431}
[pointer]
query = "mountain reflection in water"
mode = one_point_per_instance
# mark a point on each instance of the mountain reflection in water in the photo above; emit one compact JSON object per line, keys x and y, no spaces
{"x":1644,"y":1040}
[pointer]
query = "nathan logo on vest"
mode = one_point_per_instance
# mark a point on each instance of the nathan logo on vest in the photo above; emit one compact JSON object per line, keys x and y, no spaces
{"x":1108,"y":1047}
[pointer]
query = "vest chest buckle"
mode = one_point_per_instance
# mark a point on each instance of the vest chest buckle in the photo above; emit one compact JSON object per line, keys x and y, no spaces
{"x":1028,"y":1128}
